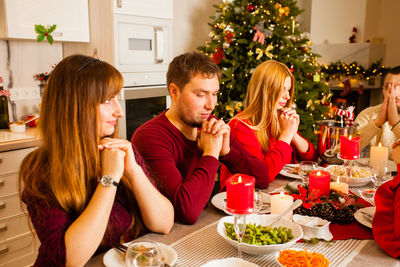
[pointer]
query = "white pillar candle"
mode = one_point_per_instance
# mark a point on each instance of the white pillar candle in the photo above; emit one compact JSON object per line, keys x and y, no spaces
{"x":280,"y":203}
{"x":340,"y":186}
{"x":379,"y":158}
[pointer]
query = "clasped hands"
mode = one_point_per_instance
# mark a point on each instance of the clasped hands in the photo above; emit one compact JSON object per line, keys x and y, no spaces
{"x":117,"y":157}
{"x":289,"y":122}
{"x":213,"y":138}
{"x":389,"y":111}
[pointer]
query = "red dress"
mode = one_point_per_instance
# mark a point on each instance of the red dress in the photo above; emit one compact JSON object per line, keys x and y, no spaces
{"x":278,"y":154}
{"x":386,"y":222}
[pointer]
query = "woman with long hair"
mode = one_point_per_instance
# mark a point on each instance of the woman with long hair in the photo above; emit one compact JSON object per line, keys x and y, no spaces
{"x":268,"y":126}
{"x":86,"y":190}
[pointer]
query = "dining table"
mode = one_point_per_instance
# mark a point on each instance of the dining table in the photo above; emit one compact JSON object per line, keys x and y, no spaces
{"x":200,"y":243}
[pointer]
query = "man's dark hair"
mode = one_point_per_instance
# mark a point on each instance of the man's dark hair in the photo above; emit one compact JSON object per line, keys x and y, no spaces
{"x":394,"y":71}
{"x":183,"y":67}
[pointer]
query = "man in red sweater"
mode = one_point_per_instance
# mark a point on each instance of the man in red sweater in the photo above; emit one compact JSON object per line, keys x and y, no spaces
{"x":184,"y":145}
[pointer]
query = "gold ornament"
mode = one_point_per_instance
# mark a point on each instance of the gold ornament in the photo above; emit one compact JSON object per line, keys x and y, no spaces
{"x":222,"y":26}
{"x":282,"y":10}
{"x":261,"y":52}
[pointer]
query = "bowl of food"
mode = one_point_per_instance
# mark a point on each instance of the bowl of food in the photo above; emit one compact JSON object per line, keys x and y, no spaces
{"x":260,"y":237}
{"x":313,"y":227}
{"x":300,"y":257}
{"x":359,"y":176}
{"x":17,"y":126}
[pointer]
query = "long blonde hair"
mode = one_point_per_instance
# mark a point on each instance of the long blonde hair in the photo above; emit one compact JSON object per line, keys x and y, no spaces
{"x":263,"y":92}
{"x":66,"y":166}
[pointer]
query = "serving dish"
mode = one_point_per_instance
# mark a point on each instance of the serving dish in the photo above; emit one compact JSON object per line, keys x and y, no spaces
{"x":313,"y":227}
{"x":263,"y":220}
{"x":229,"y":262}
{"x":360,"y":176}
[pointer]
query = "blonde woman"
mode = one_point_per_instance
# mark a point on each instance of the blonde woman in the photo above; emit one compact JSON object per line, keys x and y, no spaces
{"x":268,"y":126}
{"x":84,"y":189}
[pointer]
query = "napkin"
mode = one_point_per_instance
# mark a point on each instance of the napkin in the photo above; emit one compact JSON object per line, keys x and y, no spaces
{"x":351,"y":230}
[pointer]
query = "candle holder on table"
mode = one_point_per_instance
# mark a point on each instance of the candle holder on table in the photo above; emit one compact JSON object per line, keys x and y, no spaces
{"x":349,"y":152}
{"x":240,"y":202}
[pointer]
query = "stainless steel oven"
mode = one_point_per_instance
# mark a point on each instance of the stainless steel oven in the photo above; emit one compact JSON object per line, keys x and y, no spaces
{"x":140,"y":104}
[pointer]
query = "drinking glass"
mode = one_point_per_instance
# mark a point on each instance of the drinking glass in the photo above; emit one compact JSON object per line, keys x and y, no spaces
{"x":239,"y":224}
{"x":305,"y":168}
{"x":380,"y":178}
{"x":258,"y":201}
{"x":143,"y":254}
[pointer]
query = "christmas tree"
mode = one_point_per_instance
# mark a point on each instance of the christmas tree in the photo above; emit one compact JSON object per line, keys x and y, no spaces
{"x":245,"y":33}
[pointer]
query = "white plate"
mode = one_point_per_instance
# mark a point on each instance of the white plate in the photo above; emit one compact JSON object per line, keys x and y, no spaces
{"x":263,"y":220}
{"x":219,"y":201}
{"x":229,"y":262}
{"x":285,"y":172}
{"x":114,"y":258}
{"x":363,"y":219}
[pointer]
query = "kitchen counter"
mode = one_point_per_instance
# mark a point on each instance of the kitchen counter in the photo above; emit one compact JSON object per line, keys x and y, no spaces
{"x":12,"y":141}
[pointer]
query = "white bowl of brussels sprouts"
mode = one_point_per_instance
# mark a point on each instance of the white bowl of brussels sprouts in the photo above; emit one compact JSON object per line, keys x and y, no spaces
{"x":258,"y":238}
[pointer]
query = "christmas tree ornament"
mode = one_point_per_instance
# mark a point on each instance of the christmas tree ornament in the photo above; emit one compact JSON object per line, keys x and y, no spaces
{"x":259,"y":37}
{"x":222,"y":25}
{"x":282,"y":11}
{"x":250,"y":8}
{"x":223,"y":6}
{"x":238,"y":10}
{"x":228,"y":36}
{"x":218,"y":55}
{"x":250,"y":53}
{"x":226,"y":45}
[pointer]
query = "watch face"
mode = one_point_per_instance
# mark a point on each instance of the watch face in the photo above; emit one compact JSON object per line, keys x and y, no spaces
{"x":107,"y":180}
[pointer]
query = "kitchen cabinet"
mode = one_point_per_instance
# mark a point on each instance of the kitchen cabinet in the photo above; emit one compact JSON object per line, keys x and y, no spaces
{"x":148,"y":8}
{"x":18,"y":245}
{"x":140,"y":47}
{"x":18,"y":18}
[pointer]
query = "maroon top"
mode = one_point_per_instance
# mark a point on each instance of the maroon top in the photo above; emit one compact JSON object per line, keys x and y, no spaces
{"x":51,"y":222}
{"x":185,"y":176}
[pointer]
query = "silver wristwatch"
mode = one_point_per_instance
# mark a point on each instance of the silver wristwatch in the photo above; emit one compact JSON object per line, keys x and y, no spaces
{"x":107,"y":180}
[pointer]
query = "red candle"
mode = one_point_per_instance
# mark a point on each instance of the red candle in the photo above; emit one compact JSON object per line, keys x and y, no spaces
{"x":349,"y":147}
{"x":319,"y":183}
{"x":240,"y":194}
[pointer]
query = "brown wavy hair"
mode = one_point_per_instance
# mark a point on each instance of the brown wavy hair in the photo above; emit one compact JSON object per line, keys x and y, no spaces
{"x":65,"y":169}
{"x":263,"y":93}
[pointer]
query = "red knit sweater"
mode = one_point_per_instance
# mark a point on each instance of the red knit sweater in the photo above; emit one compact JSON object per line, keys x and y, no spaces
{"x":184,"y":176}
{"x":386,"y":222}
{"x":279,"y":153}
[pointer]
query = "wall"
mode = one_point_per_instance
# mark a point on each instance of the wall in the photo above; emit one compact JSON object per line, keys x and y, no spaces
{"x":388,"y":29}
{"x":333,"y":21}
{"x":26,"y":59}
{"x":191,"y":29}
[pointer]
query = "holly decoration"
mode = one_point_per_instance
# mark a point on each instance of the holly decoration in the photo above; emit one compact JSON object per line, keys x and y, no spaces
{"x":44,"y":33}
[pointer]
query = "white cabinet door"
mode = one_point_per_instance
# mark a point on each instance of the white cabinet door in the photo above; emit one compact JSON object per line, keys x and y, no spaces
{"x":70,"y":16}
{"x":145,"y":8}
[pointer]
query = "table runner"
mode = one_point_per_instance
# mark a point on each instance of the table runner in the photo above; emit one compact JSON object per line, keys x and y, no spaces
{"x":206,"y":244}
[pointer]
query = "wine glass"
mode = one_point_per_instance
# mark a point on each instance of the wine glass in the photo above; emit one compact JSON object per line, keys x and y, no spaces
{"x":305,"y":168}
{"x":240,"y":226}
{"x":258,"y":201}
{"x":143,"y":254}
{"x":379,"y":178}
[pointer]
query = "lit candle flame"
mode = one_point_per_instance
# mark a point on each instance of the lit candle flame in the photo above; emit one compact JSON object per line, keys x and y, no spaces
{"x":240,"y":179}
{"x":380,"y":144}
{"x":282,"y":195}
{"x":337,"y":181}
{"x":319,"y":173}
{"x":350,"y":137}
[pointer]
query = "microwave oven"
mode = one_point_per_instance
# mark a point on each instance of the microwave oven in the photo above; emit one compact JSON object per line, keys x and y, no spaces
{"x":143,"y":48}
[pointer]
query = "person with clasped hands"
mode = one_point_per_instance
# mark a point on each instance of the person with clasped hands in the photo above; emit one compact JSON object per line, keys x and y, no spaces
{"x":386,"y":222}
{"x":183,"y":146}
{"x":268,"y":126}
{"x":381,"y":123}
{"x":86,"y":190}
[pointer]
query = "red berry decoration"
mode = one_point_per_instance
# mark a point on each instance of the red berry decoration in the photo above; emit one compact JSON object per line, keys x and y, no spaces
{"x":250,"y":8}
{"x":291,"y":70}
